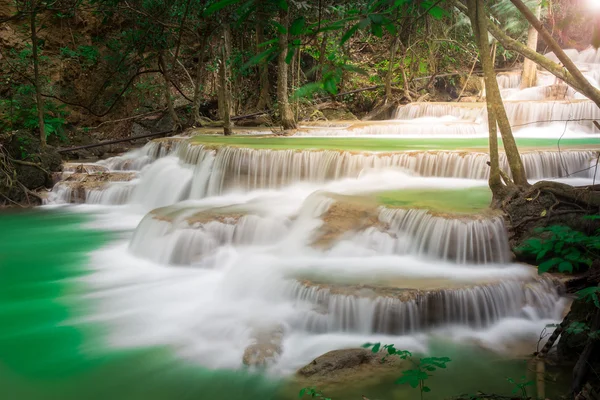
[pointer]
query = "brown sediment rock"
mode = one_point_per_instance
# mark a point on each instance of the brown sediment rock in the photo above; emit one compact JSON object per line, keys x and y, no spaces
{"x":80,"y":183}
{"x":348,"y":213}
{"x":265,"y":349}
{"x":347,"y":367}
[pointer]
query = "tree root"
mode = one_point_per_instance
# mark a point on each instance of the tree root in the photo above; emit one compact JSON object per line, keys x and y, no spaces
{"x":30,"y":164}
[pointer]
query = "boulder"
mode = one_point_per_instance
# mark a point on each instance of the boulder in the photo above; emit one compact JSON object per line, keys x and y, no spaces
{"x":349,"y":366}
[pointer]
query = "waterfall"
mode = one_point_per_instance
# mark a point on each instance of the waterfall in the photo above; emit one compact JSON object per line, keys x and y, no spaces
{"x":474,"y":112}
{"x":402,"y":311}
{"x":580,"y":113}
{"x":197,"y":172}
{"x":183,"y":241}
{"x":508,"y":80}
{"x":137,"y":159}
{"x":443,"y":126}
{"x":476,"y":239}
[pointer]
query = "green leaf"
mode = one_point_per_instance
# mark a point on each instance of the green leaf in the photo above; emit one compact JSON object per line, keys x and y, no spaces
{"x":376,"y":19}
{"x":282,"y":4}
{"x":426,"y":389}
{"x":213,"y":8}
{"x":258,"y":58}
{"x":565,"y":266}
{"x":437,"y":12}
{"x":280,"y":28}
{"x":376,"y":30}
{"x":297,"y":26}
{"x":290,"y":54}
{"x":268,"y":43}
{"x":349,"y":33}
{"x":302,"y":391}
{"x":547,"y":265}
{"x":376,"y":346}
{"x":391,"y":28}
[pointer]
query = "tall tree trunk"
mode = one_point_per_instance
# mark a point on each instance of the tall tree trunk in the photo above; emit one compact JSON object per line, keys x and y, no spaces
{"x":223,"y":82}
{"x":167,"y":90}
{"x":36,"y":75}
{"x":322,"y":52}
{"x":390,"y":71}
{"x":287,"y":117}
{"x":529,"y":75}
{"x":264,"y":100}
{"x":478,"y":18}
{"x":198,"y":86}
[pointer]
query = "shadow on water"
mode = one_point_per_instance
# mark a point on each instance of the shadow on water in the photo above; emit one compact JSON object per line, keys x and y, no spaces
{"x":48,"y":352}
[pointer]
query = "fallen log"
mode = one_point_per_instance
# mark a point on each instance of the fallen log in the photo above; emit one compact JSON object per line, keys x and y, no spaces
{"x":107,"y":142}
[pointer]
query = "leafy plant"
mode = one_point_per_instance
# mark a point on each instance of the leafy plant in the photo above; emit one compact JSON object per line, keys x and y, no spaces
{"x":520,"y":386}
{"x":312,"y":392}
{"x":416,"y":376}
{"x":590,"y":294}
{"x":562,"y":248}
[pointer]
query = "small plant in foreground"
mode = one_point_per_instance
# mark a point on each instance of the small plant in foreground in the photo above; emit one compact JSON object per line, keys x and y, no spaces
{"x":312,"y":392}
{"x":416,"y":376}
{"x":520,"y":386}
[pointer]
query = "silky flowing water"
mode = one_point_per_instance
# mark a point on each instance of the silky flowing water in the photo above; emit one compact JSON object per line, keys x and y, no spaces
{"x":150,"y":275}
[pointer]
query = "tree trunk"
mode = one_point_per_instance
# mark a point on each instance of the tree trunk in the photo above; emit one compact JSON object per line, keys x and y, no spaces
{"x":264,"y":100}
{"x":529,"y":75}
{"x":322,"y":52}
{"x":198,"y":86}
{"x":36,"y":77}
{"x":167,"y":89}
{"x":570,"y":74}
{"x":478,"y":18}
{"x":390,"y":71}
{"x":285,"y":112}
{"x":223,"y":84}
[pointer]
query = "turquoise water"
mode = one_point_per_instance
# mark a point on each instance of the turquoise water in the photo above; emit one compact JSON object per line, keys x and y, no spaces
{"x":48,"y":352}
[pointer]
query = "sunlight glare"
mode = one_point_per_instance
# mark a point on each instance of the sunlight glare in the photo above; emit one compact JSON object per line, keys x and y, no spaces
{"x":594,"y":5}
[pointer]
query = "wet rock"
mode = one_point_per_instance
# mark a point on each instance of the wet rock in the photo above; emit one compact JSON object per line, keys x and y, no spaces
{"x":345,"y":216}
{"x":348,"y":366}
{"x":79,"y":185}
{"x":265,"y":349}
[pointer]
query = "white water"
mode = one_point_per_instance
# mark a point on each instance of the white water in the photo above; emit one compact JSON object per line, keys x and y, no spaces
{"x":218,"y":244}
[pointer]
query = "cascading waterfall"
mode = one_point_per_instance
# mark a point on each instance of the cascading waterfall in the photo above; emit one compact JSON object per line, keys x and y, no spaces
{"x":443,"y":126}
{"x":185,"y":242}
{"x":137,"y":159}
{"x":579,"y":113}
{"x":477,"y":240}
{"x":473,"y":112}
{"x":245,"y":225}
{"x":197,"y":172}
{"x":411,"y":311}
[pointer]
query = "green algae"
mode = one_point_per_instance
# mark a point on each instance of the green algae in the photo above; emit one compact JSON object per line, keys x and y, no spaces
{"x":447,"y":201}
{"x":385,"y":144}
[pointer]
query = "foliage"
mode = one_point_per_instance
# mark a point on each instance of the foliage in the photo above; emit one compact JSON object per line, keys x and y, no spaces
{"x":590,"y":295}
{"x":561,"y":248}
{"x":20,"y":112}
{"x":416,"y":376}
{"x":520,"y":386}
{"x":87,"y":55}
{"x":312,"y":392}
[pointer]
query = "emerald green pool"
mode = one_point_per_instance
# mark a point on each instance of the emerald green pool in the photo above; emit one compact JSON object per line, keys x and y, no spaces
{"x":48,"y":351}
{"x":387,"y":144}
